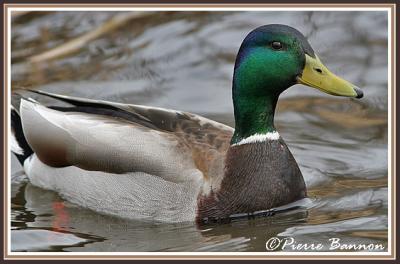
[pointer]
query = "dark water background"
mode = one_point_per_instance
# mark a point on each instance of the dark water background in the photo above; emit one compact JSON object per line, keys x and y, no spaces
{"x":184,"y":61}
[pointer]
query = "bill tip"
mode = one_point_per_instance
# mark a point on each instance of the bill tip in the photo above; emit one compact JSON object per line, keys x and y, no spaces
{"x":359,"y":92}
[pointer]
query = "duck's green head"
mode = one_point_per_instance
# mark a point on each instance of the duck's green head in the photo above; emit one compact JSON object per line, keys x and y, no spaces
{"x":271,"y":59}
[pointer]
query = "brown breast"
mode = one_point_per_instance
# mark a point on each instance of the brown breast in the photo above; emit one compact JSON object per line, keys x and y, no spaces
{"x":257,"y":176}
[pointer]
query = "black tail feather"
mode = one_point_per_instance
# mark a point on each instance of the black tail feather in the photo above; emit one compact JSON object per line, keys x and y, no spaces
{"x":19,"y":145}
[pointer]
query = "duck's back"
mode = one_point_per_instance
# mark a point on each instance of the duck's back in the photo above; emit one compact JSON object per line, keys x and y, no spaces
{"x":128,"y":160}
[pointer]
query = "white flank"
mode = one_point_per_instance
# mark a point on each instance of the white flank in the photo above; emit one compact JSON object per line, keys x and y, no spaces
{"x":258,"y":138}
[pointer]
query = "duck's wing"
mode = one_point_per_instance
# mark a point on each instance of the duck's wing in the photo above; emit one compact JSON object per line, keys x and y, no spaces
{"x":119,"y":138}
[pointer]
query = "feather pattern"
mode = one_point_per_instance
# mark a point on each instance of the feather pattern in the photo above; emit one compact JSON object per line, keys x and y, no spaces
{"x":134,"y":195}
{"x":110,"y":151}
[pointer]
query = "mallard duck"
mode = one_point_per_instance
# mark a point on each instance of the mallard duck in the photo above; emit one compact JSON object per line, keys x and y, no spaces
{"x":158,"y":164}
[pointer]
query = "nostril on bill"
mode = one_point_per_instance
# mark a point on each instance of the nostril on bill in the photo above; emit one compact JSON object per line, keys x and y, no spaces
{"x":318,"y":70}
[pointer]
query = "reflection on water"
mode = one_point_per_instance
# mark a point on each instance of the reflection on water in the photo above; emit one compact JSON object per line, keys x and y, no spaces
{"x":184,"y":60}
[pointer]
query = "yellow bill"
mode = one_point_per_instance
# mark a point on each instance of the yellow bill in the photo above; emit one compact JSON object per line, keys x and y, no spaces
{"x":316,"y":75}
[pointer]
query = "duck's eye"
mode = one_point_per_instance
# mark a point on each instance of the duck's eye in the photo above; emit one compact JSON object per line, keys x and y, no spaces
{"x":276,"y":45}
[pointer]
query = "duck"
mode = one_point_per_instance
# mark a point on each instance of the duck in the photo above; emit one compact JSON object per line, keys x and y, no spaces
{"x":163,"y":165}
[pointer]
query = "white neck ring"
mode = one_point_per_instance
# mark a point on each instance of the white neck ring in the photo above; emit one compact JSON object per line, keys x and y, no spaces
{"x":256,"y":138}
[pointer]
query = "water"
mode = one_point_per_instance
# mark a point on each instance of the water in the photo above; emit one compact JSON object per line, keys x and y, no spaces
{"x":184,"y":60}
